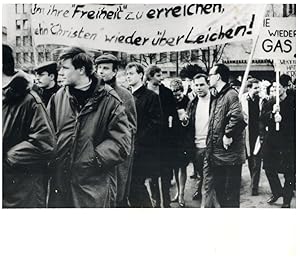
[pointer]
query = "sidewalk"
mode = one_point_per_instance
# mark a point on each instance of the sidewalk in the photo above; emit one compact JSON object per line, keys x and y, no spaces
{"x":247,"y":201}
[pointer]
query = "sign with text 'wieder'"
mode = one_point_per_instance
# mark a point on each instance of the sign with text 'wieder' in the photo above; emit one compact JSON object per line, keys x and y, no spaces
{"x":144,"y":28}
{"x":277,"y":39}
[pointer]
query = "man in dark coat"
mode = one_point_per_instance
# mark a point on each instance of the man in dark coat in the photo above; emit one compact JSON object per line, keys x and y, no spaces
{"x":168,"y":139}
{"x":107,"y":68}
{"x":146,"y":148}
{"x":279,"y":146}
{"x":93,"y":136}
{"x":225,"y":138}
{"x":46,"y":80}
{"x":28,"y":139}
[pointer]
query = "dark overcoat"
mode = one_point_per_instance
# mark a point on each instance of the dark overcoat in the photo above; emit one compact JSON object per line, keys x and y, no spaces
{"x":28,"y":145}
{"x":226,"y":118}
{"x":279,"y":147}
{"x":91,"y":143}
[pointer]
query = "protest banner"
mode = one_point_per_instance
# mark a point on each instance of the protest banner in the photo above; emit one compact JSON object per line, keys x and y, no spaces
{"x":277,"y":39}
{"x":144,"y":28}
{"x":277,"y":42}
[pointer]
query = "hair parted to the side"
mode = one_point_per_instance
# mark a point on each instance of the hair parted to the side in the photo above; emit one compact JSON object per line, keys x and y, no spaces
{"x":151,"y":71}
{"x":201,"y":75}
{"x":139,"y":68}
{"x":8,"y":63}
{"x":79,"y":58}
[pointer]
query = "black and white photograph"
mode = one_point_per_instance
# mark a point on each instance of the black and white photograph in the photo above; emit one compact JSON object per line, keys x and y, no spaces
{"x":137,"y":106}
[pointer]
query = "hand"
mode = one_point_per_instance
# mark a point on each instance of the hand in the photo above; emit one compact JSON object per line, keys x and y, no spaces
{"x":277,"y":117}
{"x":226,"y":142}
{"x":276,"y":108}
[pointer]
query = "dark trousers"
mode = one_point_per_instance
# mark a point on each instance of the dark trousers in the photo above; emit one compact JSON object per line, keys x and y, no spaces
{"x":198,"y":165}
{"x":210,"y":197}
{"x":254,"y":164}
{"x":227,"y":181}
{"x":138,"y":195}
{"x":166,"y":177}
{"x":276,"y":188}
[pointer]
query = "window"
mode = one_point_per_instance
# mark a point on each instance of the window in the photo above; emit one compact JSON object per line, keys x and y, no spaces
{"x":48,"y":56}
{"x":40,"y":57}
{"x":18,"y":57}
{"x":205,"y":55}
{"x":18,"y":24}
{"x":19,"y":8}
{"x":32,"y":57}
{"x":25,"y":24}
{"x":184,"y":56}
{"x":163,"y":57}
{"x":18,"y":40}
{"x":25,"y":40}
{"x":24,"y":9}
{"x":173,"y":74}
{"x":26,"y":57}
{"x":30,"y":40}
{"x":134,"y":58}
{"x":173,"y":56}
{"x":195,"y":55}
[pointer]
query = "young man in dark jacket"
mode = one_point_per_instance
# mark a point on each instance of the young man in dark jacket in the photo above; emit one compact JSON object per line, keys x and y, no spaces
{"x":107,"y":68}
{"x":168,"y":139}
{"x":28,"y":139}
{"x":279,"y":146}
{"x":225,"y":138}
{"x":46,"y":80}
{"x":93,"y":136}
{"x":146,"y":148}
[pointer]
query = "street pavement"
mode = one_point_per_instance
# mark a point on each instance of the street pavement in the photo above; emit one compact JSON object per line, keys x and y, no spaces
{"x":246,"y":201}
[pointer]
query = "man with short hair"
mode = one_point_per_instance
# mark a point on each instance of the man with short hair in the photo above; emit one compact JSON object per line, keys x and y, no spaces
{"x":107,"y":68}
{"x":251,"y":104}
{"x":168,"y":140}
{"x":146,"y":156}
{"x":279,"y":146}
{"x":198,"y":113}
{"x":28,"y":139}
{"x":225,"y":138}
{"x":93,"y":136}
{"x":46,"y":80}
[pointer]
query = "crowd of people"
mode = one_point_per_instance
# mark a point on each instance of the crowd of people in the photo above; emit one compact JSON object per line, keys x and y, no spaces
{"x":75,"y":136}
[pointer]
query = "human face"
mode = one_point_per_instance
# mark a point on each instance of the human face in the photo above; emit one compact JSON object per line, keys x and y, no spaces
{"x":282,"y":90}
{"x":43,"y":79}
{"x":71,"y":76}
{"x":213,"y":77}
{"x":178,"y":95}
{"x":157,"y":78}
{"x":133,"y":78}
{"x":201,"y":87}
{"x":254,"y":90}
{"x":106,"y":72}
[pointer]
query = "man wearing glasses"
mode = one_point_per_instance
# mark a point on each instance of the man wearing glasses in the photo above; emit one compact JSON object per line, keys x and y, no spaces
{"x":225,"y":139}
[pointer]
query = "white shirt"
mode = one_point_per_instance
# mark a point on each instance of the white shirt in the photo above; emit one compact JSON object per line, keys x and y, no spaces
{"x":201,"y":121}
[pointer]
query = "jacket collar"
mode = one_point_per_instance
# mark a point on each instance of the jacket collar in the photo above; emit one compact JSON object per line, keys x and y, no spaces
{"x":225,"y":88}
{"x":140,"y":91}
{"x":18,"y":86}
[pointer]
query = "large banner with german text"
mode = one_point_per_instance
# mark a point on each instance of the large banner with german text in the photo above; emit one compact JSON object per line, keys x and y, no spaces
{"x":144,"y":28}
